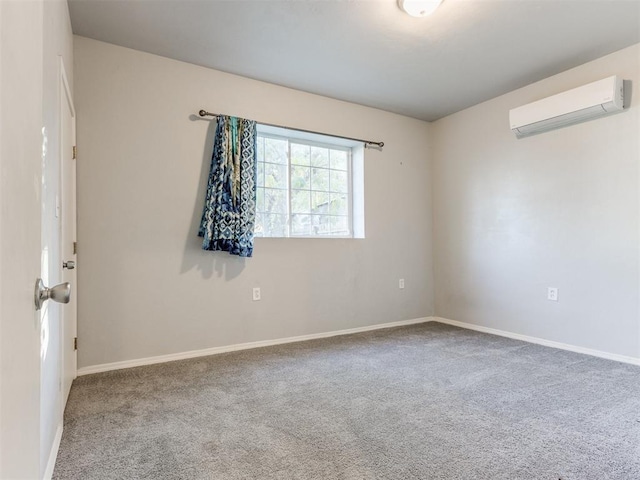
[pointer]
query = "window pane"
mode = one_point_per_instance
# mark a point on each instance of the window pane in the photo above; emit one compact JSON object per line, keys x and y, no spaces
{"x":275,"y":201}
{"x":339,"y":159}
{"x":319,"y":157}
{"x":320,"y":179}
{"x":300,"y":177}
{"x":320,"y":225}
{"x":339,"y":204}
{"x":319,"y":202}
{"x":275,"y":225}
{"x":300,"y":154}
{"x":300,"y":201}
{"x":275,"y":176}
{"x":301,"y":225}
{"x":302,"y":189}
{"x":339,"y":181}
{"x":260,"y":174}
{"x":260,"y":207}
{"x":276,"y":150}
{"x":339,"y":225}
{"x":258,"y":229}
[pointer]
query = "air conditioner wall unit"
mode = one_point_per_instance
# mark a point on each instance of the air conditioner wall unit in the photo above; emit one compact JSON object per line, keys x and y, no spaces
{"x":594,"y":100}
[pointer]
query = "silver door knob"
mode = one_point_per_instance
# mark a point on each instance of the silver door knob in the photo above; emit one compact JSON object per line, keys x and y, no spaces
{"x":60,"y":293}
{"x":70,"y":264}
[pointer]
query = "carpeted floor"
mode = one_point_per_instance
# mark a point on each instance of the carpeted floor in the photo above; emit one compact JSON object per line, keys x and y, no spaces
{"x":428,"y":402}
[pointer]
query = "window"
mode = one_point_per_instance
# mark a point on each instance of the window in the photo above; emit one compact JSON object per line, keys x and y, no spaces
{"x":304,"y":186}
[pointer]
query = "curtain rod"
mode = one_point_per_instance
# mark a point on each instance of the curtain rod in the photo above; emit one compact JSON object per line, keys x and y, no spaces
{"x":367,"y":143}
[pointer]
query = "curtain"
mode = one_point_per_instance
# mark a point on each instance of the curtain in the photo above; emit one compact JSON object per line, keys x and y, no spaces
{"x":230,"y":204}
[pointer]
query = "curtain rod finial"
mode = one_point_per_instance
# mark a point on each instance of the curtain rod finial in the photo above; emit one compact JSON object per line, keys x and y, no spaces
{"x":202,"y":113}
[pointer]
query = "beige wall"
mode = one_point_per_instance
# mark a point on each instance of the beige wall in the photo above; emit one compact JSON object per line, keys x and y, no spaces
{"x":561,"y":209}
{"x":148,"y":289}
{"x":512,"y":217}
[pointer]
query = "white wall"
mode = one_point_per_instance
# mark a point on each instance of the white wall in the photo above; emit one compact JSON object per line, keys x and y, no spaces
{"x":147,"y":287}
{"x":20,"y":178}
{"x":513,"y":217}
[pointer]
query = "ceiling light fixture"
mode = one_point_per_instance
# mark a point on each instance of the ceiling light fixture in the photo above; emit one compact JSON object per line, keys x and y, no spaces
{"x":419,"y":8}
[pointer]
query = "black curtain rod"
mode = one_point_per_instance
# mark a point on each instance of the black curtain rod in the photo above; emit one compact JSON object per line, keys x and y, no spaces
{"x":367,"y":143}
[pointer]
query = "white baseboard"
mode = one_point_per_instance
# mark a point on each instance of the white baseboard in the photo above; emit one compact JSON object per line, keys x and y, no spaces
{"x":105,"y":367}
{"x":541,"y":341}
{"x":53,"y":454}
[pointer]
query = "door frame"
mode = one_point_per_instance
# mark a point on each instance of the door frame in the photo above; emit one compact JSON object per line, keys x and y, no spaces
{"x":66,"y":101}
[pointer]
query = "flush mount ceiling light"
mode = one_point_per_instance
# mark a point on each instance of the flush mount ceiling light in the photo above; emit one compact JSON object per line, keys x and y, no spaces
{"x":419,"y":8}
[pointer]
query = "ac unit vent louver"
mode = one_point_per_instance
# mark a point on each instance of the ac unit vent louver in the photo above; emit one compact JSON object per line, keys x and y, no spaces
{"x":594,"y":100}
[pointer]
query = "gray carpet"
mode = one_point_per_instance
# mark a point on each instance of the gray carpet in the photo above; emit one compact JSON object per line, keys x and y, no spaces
{"x":428,"y":401}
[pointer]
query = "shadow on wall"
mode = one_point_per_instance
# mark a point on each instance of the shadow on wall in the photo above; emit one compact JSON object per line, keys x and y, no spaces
{"x":207,"y":262}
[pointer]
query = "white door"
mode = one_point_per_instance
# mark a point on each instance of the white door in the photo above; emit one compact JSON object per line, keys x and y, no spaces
{"x":68,"y":235}
{"x":50,"y":312}
{"x":21,"y":147}
{"x":57,"y":230}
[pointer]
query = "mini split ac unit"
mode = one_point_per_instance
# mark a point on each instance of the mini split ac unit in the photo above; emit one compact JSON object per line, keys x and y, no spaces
{"x":594,"y":100}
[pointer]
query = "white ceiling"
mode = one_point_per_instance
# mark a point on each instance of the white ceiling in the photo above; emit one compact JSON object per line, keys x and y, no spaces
{"x":368,"y":51}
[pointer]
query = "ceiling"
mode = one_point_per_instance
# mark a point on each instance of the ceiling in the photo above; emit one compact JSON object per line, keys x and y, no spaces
{"x":368,"y":51}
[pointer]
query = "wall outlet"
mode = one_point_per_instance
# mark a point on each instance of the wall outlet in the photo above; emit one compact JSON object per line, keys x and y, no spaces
{"x":256,"y":294}
{"x":552,"y":294}
{"x":401,"y":283}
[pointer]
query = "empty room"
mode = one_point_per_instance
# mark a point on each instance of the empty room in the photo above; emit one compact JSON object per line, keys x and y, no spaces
{"x":317,"y":240}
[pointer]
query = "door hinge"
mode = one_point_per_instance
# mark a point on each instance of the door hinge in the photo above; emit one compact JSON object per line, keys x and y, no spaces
{"x":75,"y":247}
{"x":75,"y":343}
{"x":75,"y":152}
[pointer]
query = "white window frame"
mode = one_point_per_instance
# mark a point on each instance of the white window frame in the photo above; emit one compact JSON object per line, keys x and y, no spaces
{"x":321,"y":141}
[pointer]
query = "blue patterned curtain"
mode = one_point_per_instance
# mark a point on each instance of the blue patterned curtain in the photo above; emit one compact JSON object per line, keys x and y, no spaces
{"x":230,"y":205}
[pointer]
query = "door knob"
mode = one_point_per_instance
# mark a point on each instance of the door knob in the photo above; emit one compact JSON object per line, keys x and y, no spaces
{"x":60,"y":293}
{"x":69,"y":264}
